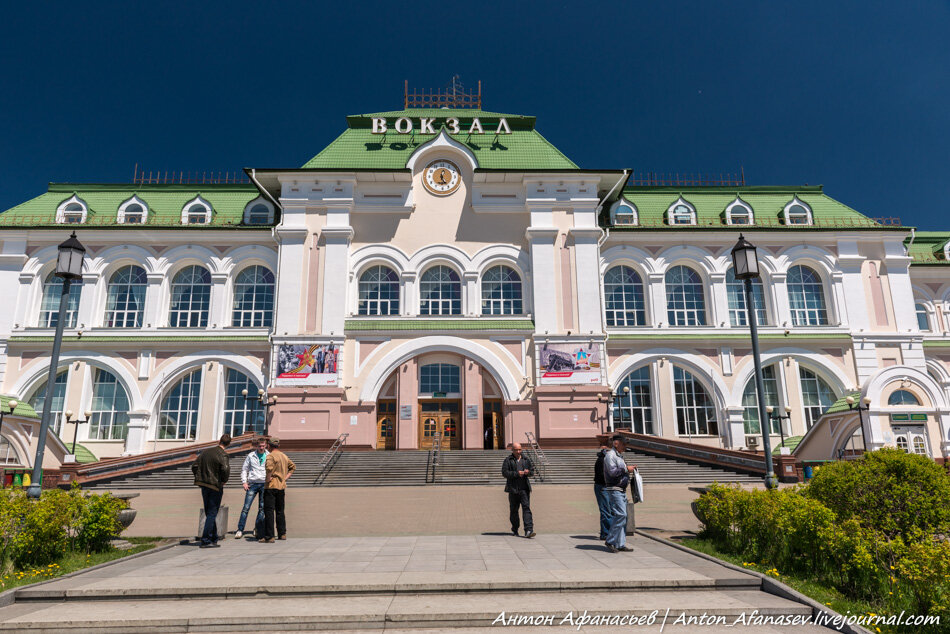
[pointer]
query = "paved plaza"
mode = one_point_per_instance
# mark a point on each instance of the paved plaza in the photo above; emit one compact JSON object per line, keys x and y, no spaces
{"x":402,"y":582}
{"x":437,"y":510}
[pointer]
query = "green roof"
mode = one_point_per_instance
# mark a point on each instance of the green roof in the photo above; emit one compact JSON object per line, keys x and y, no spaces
{"x":22,"y":408}
{"x":165,"y":203}
{"x":791,"y":443}
{"x":83,"y":455}
{"x":438,"y":324}
{"x":735,"y":337}
{"x":928,"y":247}
{"x":358,"y":148}
{"x":767,"y":203}
{"x":139,"y":338}
{"x":841,"y":405}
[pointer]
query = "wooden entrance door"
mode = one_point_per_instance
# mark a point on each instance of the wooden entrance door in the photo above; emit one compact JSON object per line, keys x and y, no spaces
{"x":386,"y":425}
{"x":440,"y":417}
{"x":493,"y":427}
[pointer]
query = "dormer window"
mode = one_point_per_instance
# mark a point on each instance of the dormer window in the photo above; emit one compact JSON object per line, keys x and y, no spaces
{"x":623,"y":214}
{"x":681,"y":213}
{"x":72,"y":212}
{"x":196,"y":212}
{"x":258,"y":212}
{"x":739,"y":213}
{"x":134,"y":211}
{"x":797,"y":213}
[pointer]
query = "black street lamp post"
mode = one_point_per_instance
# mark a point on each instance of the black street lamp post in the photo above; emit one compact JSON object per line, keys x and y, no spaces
{"x":68,"y":267}
{"x":264,"y":400}
{"x":746,"y":268}
{"x":777,"y":416}
{"x":615,"y":398}
{"x":861,"y":407}
{"x":76,"y":423}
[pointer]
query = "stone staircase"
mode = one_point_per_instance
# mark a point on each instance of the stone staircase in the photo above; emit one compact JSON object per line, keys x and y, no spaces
{"x":408,"y":468}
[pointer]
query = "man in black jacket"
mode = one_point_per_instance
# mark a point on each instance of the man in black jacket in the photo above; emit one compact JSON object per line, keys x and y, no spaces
{"x":212,"y":469}
{"x":517,"y":469}
{"x":600,"y":492}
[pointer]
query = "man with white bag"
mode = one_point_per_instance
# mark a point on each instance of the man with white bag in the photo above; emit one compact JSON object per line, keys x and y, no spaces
{"x":617,"y":476}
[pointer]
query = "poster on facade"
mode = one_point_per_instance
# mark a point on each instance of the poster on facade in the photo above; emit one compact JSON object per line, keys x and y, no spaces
{"x":569,"y":363}
{"x":307,"y":364}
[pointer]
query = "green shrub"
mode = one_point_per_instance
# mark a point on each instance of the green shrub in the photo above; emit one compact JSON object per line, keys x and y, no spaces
{"x":43,"y":535}
{"x":896,"y":493}
{"x":98,"y":522}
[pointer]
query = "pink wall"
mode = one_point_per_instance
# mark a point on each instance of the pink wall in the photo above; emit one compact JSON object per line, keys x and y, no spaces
{"x":407,"y":432}
{"x":471,"y":396}
{"x":570,"y":412}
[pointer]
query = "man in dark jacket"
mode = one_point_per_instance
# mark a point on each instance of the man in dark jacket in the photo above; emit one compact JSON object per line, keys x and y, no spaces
{"x":600,"y":492}
{"x":517,"y":469}
{"x":212,"y":469}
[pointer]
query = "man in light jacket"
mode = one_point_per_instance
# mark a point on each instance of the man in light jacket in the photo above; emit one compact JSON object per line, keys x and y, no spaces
{"x":616,"y":478}
{"x":253,"y":476}
{"x":279,"y":468}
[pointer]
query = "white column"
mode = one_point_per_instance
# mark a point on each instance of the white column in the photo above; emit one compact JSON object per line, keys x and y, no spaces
{"x":719,"y":303}
{"x":136,"y":441}
{"x":587,"y":280}
{"x":152,"y":316}
{"x":656,"y":296}
{"x":472,"y":303}
{"x":409,"y":304}
{"x":733,"y":428}
{"x":335,"y":272}
{"x":902,"y":292}
{"x":783,"y":312}
{"x":25,"y":310}
{"x":849,"y":304}
{"x":87,"y":300}
{"x":218,"y":312}
{"x":287,"y":317}
{"x":543,"y":287}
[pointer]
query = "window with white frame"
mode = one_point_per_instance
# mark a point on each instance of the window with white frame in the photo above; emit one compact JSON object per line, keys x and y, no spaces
{"x":190,"y":298}
{"x":633,"y":403}
{"x":739,"y":213}
{"x":258,"y":214}
{"x":817,"y":396}
{"x":902,"y":397}
{"x":806,"y":297}
{"x":8,"y":455}
{"x":796,"y":213}
{"x":685,"y":297}
{"x":57,"y":405}
{"x":253,"y":305}
{"x":923,"y":319}
{"x":440,"y":292}
{"x":695,"y":409}
{"x":439,"y":378}
{"x":125,"y":298}
{"x":49,"y":305}
{"x":73,"y":214}
{"x":110,"y":408}
{"x":178,"y":416}
{"x":750,"y":401}
{"x":196,"y":213}
{"x":132,"y":213}
{"x":624,"y":214}
{"x":735,"y":291}
{"x":241,"y":415}
{"x":501,"y":291}
{"x":623,"y":297}
{"x":378,"y":291}
{"x":681,"y":214}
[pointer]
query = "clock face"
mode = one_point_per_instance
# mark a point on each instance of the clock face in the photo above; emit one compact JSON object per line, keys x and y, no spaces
{"x":442,"y":177}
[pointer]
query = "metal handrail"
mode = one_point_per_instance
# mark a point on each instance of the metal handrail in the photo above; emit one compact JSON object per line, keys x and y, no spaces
{"x":329,"y":458}
{"x":539,"y":458}
{"x":434,"y":455}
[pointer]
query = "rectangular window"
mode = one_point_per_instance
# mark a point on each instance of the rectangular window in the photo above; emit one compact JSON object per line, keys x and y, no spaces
{"x":439,"y":378}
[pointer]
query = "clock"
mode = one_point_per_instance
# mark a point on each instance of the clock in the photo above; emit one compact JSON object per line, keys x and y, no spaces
{"x":442,"y":177}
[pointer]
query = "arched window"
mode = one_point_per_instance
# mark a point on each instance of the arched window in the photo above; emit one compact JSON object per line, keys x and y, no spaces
{"x":739,"y":213}
{"x":57,"y":407}
{"x":73,"y":213}
{"x":133,"y":214}
{"x":750,"y":401}
{"x":806,"y":297}
{"x":378,"y":291}
{"x":441,"y":292}
{"x":501,"y":291}
{"x":125,"y":299}
{"x":258,"y":214}
{"x":110,"y":408}
{"x":797,"y":214}
{"x":178,"y":417}
{"x":923,"y":319}
{"x":241,"y":415}
{"x":633,"y":405}
{"x":817,"y":396}
{"x":695,"y":409}
{"x":624,"y":213}
{"x":738,"y":315}
{"x":902,"y":397}
{"x":191,"y":297}
{"x":253,"y":305}
{"x":685,"y":300}
{"x":196,"y":212}
{"x":49,"y":307}
{"x":623,"y":295}
{"x":8,"y":455}
{"x":439,"y":378}
{"x":681,"y":214}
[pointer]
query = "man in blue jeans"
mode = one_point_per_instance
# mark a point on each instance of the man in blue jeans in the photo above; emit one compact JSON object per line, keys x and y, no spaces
{"x":600,"y":492}
{"x":253,"y":477}
{"x":616,"y":478}
{"x":211,"y":471}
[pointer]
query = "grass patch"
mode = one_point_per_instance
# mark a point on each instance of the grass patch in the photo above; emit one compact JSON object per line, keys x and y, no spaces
{"x":823,"y":594}
{"x":71,"y":562}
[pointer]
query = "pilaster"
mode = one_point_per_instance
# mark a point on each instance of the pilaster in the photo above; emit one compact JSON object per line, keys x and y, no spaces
{"x":136,"y":440}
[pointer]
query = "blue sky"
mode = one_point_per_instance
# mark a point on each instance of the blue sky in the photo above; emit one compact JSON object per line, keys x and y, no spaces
{"x":849,"y":95}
